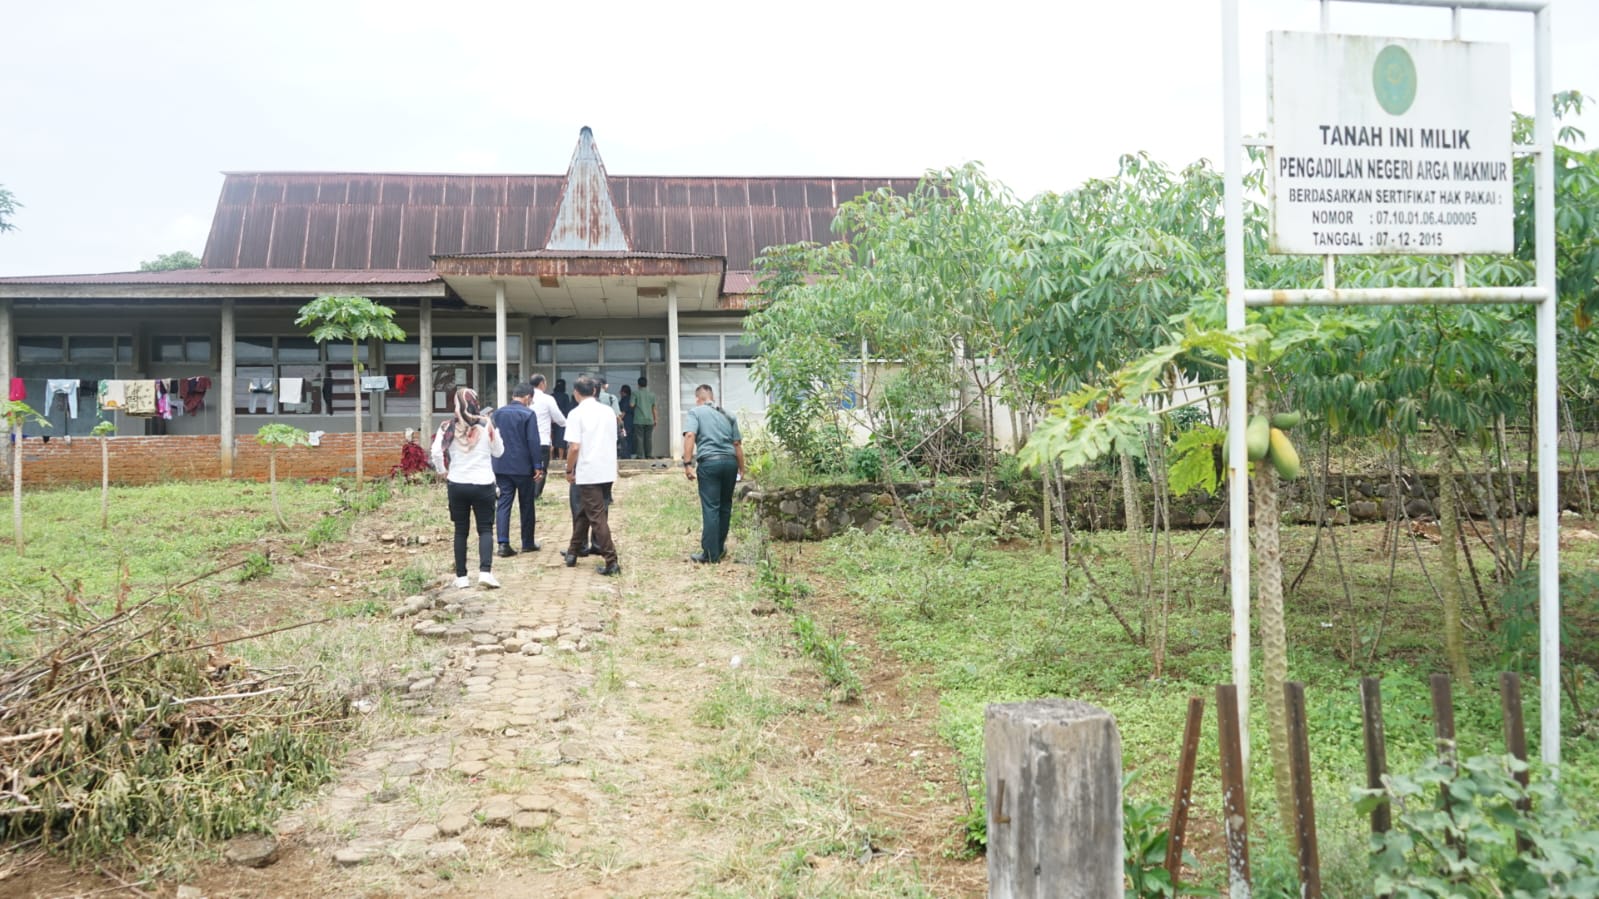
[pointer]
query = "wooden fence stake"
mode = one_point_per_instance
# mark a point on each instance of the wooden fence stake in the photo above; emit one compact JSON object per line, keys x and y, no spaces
{"x":1053,"y":774}
{"x":1235,"y":807}
{"x":1443,"y":716}
{"x":1376,"y":749}
{"x":1443,"y":730}
{"x":1515,"y":739}
{"x":1178,"y":827}
{"x":1304,"y":797}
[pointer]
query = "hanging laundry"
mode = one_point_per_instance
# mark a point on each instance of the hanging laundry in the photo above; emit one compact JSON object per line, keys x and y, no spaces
{"x":19,"y":392}
{"x":193,"y":392}
{"x":67,"y":387}
{"x":374,"y":383}
{"x":402,"y":383}
{"x":290,"y":391}
{"x":113,"y":394}
{"x":163,"y":406}
{"x":327,"y":395}
{"x":261,"y":390}
{"x":141,"y":397}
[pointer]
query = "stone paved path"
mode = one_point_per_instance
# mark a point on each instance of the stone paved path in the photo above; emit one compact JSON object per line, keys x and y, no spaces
{"x":494,"y":761}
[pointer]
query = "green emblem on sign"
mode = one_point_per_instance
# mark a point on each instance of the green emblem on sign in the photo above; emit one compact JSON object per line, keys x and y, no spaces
{"x":1393,"y":79}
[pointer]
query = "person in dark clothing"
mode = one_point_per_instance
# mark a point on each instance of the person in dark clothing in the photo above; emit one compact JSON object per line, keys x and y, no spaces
{"x":518,"y":468}
{"x":564,"y":402}
{"x":624,"y":440}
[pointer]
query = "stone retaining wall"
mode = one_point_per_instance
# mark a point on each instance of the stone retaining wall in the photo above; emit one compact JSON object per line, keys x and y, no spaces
{"x":1095,"y":498}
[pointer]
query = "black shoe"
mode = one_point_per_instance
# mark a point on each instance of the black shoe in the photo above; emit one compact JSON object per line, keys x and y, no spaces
{"x":699,"y":557}
{"x":570,"y":558}
{"x":506,"y":551}
{"x":610,"y":570}
{"x":534,"y":548}
{"x":586,"y":551}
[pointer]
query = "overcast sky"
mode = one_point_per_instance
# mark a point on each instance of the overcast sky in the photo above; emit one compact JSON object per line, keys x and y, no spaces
{"x":118,"y":118}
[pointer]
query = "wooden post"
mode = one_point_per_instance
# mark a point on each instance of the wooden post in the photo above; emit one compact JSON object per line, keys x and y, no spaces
{"x":1304,"y":797}
{"x":1235,"y":806}
{"x":1053,"y":780}
{"x":1178,"y":827}
{"x":1376,"y":749}
{"x":1443,"y":730}
{"x":1443,"y":716}
{"x":1515,"y":739}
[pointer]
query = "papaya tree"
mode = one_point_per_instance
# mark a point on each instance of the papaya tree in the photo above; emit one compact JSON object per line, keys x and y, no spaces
{"x":105,"y":429}
{"x":275,"y":437}
{"x":1113,"y":415}
{"x":357,"y":320}
{"x":18,"y":414}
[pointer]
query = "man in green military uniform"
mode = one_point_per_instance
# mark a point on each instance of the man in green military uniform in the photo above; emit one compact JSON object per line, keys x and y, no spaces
{"x":644,"y":420}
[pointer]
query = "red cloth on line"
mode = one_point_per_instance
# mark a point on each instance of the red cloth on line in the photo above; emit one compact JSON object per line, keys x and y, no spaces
{"x":18,"y":392}
{"x":193,"y":393}
{"x":402,"y":383}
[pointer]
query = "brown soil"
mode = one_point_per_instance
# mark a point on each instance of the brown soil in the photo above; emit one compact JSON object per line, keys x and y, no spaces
{"x":647,"y":832}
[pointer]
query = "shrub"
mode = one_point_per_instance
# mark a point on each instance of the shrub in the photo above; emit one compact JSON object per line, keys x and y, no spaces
{"x":1470,"y":849}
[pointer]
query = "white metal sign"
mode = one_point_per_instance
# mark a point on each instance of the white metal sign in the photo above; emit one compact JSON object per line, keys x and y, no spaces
{"x":1389,"y":145}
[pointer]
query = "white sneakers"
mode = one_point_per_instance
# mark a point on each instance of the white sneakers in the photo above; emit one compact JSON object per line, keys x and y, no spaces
{"x":463,"y":582}
{"x":487,"y":580}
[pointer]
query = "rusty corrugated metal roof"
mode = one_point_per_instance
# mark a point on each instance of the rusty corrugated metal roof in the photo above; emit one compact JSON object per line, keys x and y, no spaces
{"x":239,"y":276}
{"x":586,"y":219}
{"x":368,"y":222}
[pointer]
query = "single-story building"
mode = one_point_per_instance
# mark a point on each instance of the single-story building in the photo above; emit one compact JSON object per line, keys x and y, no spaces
{"x":493,"y":278}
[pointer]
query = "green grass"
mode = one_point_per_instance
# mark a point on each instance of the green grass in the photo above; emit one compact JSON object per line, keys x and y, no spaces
{"x":156,"y":536}
{"x":995,"y":625}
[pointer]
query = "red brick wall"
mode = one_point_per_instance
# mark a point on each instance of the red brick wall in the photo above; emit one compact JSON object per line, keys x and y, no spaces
{"x":149,"y":460}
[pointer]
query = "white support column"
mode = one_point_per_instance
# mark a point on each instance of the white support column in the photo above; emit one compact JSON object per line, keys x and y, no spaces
{"x":1548,"y":433}
{"x":674,"y":378}
{"x":225,"y":385}
{"x":424,"y":369}
{"x":1237,"y":369}
{"x":502,"y":394}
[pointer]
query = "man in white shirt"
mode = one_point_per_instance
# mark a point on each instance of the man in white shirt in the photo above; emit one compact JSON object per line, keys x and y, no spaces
{"x":547,"y":410}
{"x":591,"y":466}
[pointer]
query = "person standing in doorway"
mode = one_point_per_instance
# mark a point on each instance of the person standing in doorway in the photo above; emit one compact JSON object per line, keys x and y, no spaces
{"x":463,"y":449}
{"x":713,"y":454}
{"x":518,"y":469}
{"x":624,"y":441}
{"x":591,"y":466}
{"x":644,"y":419}
{"x":563,"y":401}
{"x":551,"y":417}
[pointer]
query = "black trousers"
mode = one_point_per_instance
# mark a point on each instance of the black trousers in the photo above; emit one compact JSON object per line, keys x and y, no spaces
{"x":467,"y":500}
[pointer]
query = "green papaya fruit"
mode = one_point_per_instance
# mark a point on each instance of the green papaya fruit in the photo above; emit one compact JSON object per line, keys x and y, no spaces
{"x":1257,"y":437}
{"x":1283,"y":455}
{"x":1286,"y":420}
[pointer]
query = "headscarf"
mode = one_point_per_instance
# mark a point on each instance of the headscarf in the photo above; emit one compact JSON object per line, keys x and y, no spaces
{"x":468,"y":419}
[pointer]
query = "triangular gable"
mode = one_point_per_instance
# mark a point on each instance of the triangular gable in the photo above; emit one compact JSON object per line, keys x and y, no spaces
{"x":587,"y":218}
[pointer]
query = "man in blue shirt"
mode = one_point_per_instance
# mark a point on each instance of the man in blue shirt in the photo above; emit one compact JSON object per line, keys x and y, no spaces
{"x":518,"y":469}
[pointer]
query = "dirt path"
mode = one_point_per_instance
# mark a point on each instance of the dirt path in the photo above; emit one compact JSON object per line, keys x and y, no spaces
{"x":654,"y":734}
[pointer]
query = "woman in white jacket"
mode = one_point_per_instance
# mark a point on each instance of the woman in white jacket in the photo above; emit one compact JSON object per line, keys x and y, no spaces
{"x":463,"y":449}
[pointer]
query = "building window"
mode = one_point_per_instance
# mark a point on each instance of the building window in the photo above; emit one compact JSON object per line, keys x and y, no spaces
{"x":180,"y":349}
{"x":469,"y":362}
{"x":293,"y":375}
{"x":723,"y":362}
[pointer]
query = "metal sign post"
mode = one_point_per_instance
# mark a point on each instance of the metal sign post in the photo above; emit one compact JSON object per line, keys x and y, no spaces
{"x":1427,"y":229}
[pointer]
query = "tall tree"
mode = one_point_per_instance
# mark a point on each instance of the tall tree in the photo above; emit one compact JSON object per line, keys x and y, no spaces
{"x":358,"y":320}
{"x":8,"y":208}
{"x":167,"y":262}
